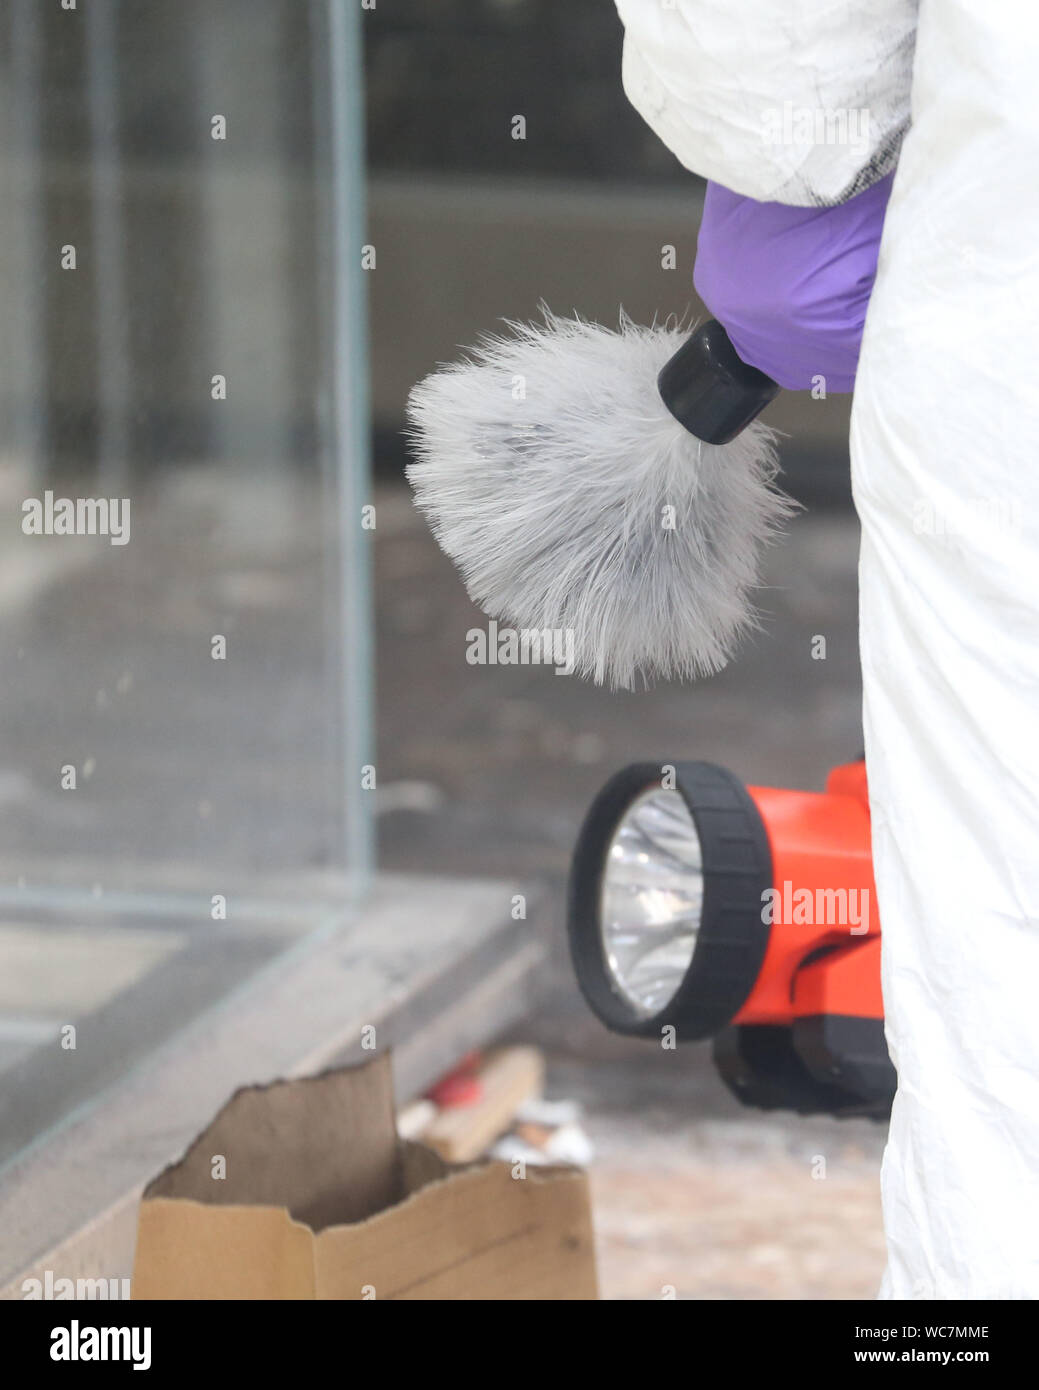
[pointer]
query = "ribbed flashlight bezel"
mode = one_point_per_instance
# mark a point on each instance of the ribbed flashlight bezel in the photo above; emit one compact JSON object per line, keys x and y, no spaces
{"x":733,"y":936}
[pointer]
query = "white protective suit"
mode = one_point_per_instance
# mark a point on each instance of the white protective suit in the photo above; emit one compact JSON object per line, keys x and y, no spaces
{"x":945,"y":466}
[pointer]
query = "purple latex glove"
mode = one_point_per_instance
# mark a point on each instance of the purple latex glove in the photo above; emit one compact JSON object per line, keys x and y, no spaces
{"x":791,"y":285}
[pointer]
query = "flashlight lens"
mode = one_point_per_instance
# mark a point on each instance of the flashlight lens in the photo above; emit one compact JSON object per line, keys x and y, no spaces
{"x":652,"y":900}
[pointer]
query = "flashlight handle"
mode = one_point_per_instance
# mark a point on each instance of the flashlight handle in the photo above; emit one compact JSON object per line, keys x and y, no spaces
{"x":710,"y":390}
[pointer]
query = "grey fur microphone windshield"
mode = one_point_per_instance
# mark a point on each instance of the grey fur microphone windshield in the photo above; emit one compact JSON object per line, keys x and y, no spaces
{"x":571,"y":499}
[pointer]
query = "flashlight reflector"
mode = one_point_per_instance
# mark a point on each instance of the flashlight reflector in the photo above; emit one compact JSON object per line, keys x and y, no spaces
{"x":652,"y":898}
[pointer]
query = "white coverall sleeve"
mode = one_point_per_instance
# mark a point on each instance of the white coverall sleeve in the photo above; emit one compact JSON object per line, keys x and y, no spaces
{"x":945,"y":472}
{"x":802,"y":102}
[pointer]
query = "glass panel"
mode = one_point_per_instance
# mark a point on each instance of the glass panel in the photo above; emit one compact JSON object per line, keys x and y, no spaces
{"x":184,"y":650}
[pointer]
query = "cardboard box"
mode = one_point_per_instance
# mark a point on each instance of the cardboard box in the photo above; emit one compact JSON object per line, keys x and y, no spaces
{"x":319,"y":1198}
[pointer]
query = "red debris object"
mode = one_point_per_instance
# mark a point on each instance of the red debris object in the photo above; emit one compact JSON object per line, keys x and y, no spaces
{"x":459,"y":1087}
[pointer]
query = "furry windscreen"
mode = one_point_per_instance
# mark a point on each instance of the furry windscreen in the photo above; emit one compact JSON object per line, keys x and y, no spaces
{"x":553,"y":475}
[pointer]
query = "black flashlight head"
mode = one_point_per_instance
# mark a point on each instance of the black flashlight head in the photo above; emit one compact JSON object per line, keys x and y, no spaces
{"x":729,"y":865}
{"x":710,"y":390}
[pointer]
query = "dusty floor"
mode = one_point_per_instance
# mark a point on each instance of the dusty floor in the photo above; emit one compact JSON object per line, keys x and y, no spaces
{"x":690,"y":1203}
{"x":488,"y":770}
{"x":750,"y":1230}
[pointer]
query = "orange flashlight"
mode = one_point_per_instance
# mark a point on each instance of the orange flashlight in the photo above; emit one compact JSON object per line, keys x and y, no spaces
{"x":703,"y":908}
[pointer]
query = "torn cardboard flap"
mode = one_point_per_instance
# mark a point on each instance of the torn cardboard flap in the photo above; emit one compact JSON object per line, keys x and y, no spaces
{"x":321,"y":1200}
{"x":325,"y":1148}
